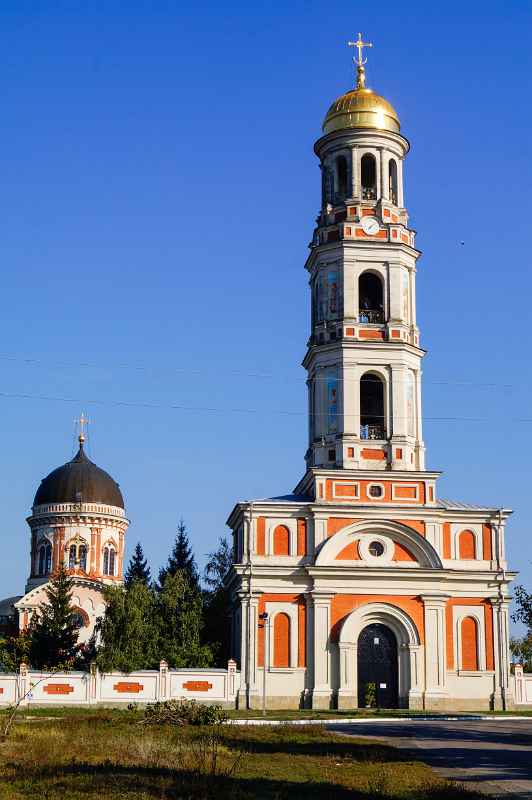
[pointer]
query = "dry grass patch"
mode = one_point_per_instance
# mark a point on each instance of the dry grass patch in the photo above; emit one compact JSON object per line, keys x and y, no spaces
{"x":109,"y":756}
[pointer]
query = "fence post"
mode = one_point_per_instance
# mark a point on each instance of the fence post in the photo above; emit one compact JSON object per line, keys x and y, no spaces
{"x":519,"y":684}
{"x":23,"y":682}
{"x":164,"y":688}
{"x":94,"y":677}
{"x":230,"y":683}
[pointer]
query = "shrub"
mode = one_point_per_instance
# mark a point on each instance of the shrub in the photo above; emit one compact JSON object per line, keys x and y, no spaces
{"x":183,"y":712}
{"x":370,"y":695}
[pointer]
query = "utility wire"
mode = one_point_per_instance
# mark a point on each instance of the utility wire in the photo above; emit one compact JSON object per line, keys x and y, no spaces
{"x":188,"y":371}
{"x":215,"y":410}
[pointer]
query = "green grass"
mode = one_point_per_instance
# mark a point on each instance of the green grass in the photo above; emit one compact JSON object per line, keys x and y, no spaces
{"x":105,"y":754}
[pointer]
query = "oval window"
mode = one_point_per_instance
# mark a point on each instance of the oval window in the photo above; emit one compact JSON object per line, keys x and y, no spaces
{"x":376,"y":549}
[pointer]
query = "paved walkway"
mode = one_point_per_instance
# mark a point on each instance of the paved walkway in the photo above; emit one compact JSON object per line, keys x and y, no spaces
{"x":494,"y":757}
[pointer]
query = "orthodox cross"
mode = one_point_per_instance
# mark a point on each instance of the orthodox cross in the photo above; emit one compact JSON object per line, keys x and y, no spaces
{"x":83,"y":421}
{"x":360,"y":45}
{"x":360,"y":60}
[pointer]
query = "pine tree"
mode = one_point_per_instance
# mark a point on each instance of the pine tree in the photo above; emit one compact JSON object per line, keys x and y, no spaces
{"x":138,"y":569}
{"x":53,"y":630}
{"x":181,"y":558}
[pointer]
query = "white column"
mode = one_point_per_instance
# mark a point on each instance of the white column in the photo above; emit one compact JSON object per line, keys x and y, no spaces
{"x":498,"y":688}
{"x":400,"y":189}
{"x":355,"y":172}
{"x":384,"y":182}
{"x":395,"y":292}
{"x":350,"y":289}
{"x":435,"y":640}
{"x":412,"y":286}
{"x":348,"y":667}
{"x":378,"y":175}
{"x":399,"y":386}
{"x":321,"y":693}
{"x":351,"y":400}
{"x":248,"y":643}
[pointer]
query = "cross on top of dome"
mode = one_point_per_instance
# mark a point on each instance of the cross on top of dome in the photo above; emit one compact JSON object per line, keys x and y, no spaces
{"x":359,"y":60}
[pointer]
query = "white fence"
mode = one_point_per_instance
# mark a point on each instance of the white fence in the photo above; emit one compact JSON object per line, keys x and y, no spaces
{"x":522,"y":687}
{"x":146,"y":686}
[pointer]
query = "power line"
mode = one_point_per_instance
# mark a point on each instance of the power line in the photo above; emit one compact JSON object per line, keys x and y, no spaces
{"x":215,"y":410}
{"x":188,"y":371}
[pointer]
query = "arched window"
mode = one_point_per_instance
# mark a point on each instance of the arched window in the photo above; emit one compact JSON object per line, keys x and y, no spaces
{"x":392,"y":181}
{"x":281,"y":640}
{"x":72,"y":556}
{"x":109,"y":558}
{"x":48,"y":558}
{"x":368,"y":177}
{"x":466,"y":545}
{"x":45,"y":558}
{"x":82,"y":554}
{"x":281,"y":541}
{"x":469,"y":641}
{"x":370,"y":298}
{"x":372,"y":407}
{"x":341,"y":177}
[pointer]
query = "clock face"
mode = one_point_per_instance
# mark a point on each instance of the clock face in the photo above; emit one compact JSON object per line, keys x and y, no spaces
{"x":370,"y":226}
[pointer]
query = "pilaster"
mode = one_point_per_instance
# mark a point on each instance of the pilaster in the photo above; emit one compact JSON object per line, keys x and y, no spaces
{"x":321,"y":692}
{"x":435,"y":650}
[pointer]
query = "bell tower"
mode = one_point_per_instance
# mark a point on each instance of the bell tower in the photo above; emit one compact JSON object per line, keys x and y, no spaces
{"x":363,"y":357}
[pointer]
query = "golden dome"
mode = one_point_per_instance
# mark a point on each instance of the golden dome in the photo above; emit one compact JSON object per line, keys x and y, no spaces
{"x":361,"y":108}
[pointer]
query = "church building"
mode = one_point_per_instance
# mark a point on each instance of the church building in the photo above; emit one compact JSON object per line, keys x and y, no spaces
{"x":363,"y":586}
{"x":78,"y":521}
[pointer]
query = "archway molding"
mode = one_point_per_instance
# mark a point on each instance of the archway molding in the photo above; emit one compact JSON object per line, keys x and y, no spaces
{"x":421,"y":549}
{"x":409,"y":651}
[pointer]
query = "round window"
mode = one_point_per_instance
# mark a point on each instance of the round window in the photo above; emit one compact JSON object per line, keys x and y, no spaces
{"x":376,"y":549}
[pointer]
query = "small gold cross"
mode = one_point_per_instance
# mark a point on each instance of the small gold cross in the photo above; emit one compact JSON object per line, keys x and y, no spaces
{"x":360,"y":45}
{"x":83,"y":421}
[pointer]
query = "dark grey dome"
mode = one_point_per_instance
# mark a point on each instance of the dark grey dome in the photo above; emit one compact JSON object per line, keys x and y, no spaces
{"x":79,"y":481}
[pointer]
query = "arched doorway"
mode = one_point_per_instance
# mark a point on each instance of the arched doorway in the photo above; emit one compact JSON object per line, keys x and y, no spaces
{"x":377,"y":663}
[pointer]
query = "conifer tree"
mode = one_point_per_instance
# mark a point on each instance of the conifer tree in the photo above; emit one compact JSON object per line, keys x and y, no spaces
{"x":181,"y":558}
{"x":138,"y":569}
{"x":128,"y":633}
{"x":53,"y":630}
{"x":180,"y":620}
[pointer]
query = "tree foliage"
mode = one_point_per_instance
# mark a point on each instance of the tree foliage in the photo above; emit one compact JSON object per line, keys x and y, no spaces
{"x":217,"y":602}
{"x":523,"y":612}
{"x":53,"y":631}
{"x":522,"y":651}
{"x":181,"y":558}
{"x":126,"y":634}
{"x":14,"y":650}
{"x":138,"y":569}
{"x":145,"y":624}
{"x":180,"y":613}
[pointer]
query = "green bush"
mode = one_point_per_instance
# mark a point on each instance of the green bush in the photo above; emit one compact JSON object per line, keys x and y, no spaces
{"x":370,"y":695}
{"x":183,"y":712}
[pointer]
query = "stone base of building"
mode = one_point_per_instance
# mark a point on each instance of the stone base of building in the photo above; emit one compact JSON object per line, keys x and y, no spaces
{"x":322,"y":701}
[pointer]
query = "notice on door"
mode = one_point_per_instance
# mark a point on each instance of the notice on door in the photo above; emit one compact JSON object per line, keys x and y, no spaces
{"x":382,"y":686}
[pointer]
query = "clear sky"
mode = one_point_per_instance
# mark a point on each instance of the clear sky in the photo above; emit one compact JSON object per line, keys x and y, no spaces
{"x":158,"y":191}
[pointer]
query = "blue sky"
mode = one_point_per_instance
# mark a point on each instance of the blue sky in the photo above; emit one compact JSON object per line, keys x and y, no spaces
{"x":158,"y":193}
